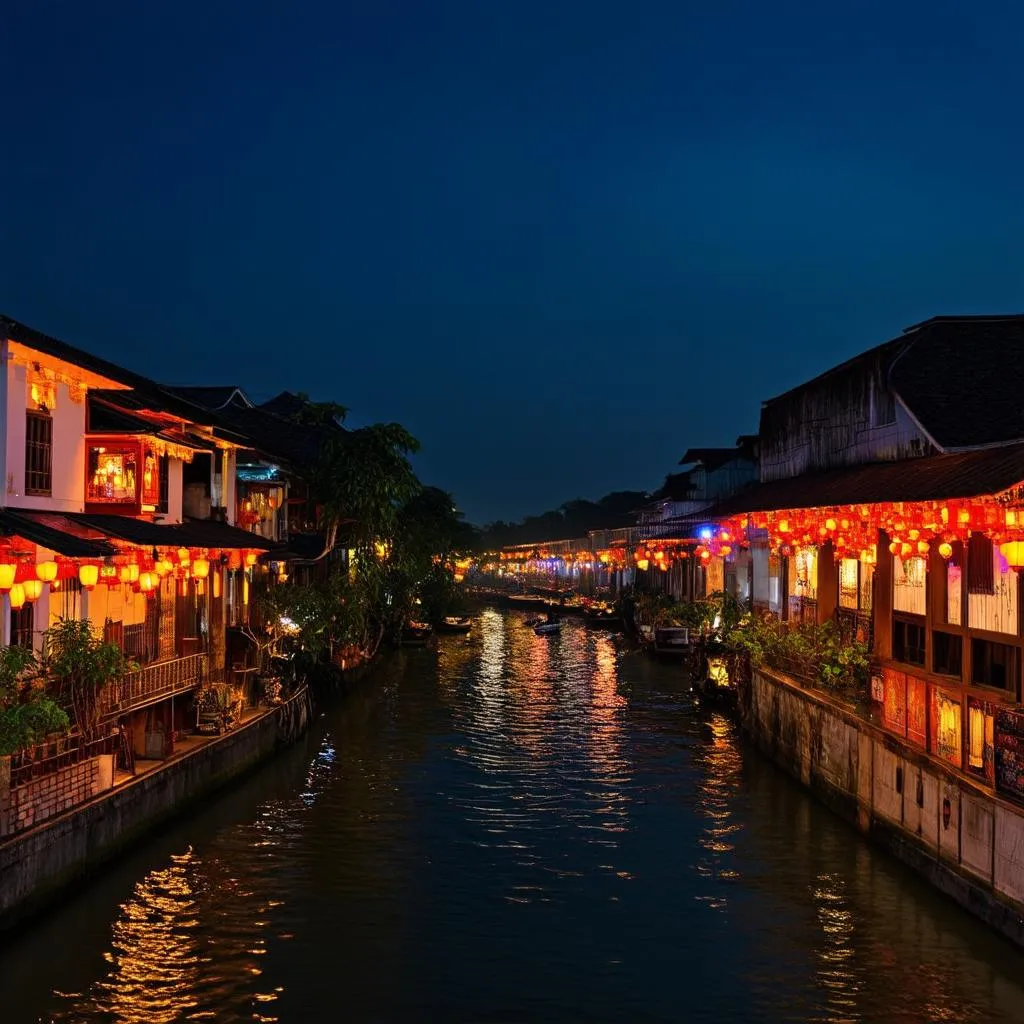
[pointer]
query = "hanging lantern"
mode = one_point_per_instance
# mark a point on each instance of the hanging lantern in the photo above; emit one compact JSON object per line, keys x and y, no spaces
{"x":148,"y":582}
{"x":923,"y":547}
{"x":250,"y":558}
{"x":642,"y":564}
{"x":1013,"y":552}
{"x":830,"y":524}
{"x":8,"y":571}
{"x":183,"y":558}
{"x":17,"y":596}
{"x":946,"y":550}
{"x":88,"y":575}
{"x":47,"y":571}
{"x":201,"y":568}
{"x":33,"y":589}
{"x":133,"y":573}
{"x":126,"y":574}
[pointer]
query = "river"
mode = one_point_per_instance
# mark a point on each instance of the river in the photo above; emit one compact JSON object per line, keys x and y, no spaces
{"x":511,"y":828}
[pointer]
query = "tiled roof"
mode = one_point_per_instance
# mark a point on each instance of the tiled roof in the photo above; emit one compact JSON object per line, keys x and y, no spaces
{"x":210,"y":398}
{"x":963,"y":379}
{"x":932,"y":478}
{"x":192,"y":533}
{"x":70,"y":544}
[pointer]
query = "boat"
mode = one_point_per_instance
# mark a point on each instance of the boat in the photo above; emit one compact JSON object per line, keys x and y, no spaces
{"x":547,"y":628}
{"x":601,"y":616}
{"x":671,"y":641}
{"x":526,"y":601}
{"x":534,"y":620}
{"x":454,"y":624}
{"x":416,"y":634}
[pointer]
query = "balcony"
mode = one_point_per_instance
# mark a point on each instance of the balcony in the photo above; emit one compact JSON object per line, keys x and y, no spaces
{"x":153,"y":683}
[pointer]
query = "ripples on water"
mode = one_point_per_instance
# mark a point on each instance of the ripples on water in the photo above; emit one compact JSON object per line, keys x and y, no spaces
{"x":511,"y":829}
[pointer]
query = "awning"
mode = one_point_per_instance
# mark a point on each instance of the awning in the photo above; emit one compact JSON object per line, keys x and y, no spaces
{"x":69,"y":543}
{"x":192,"y":533}
{"x":930,"y":478}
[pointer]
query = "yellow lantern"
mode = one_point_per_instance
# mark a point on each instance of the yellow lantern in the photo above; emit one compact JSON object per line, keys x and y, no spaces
{"x":47,"y":571}
{"x":216,"y":584}
{"x":250,"y":559}
{"x":201,"y":568}
{"x":946,"y":549}
{"x":923,"y":547}
{"x":163,"y":567}
{"x":7,"y":573}
{"x":148,"y":581}
{"x":17,"y":595}
{"x":126,"y":574}
{"x":183,"y":558}
{"x":33,"y":589}
{"x":88,"y":575}
{"x":642,"y":564}
{"x":1013,"y":552}
{"x":133,"y":573}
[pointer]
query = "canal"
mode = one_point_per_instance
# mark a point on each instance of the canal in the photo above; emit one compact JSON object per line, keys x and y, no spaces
{"x":510,"y":829}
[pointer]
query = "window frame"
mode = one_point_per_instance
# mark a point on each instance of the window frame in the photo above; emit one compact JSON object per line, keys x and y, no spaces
{"x":38,"y":481}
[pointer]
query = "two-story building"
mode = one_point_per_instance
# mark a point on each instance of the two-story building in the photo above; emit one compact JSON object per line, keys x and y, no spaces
{"x":97,"y":462}
{"x":891,"y":499}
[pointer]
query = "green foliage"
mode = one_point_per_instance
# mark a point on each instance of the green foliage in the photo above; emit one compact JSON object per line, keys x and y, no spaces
{"x":27,"y":713}
{"x":814,"y":653}
{"x":81,"y":665}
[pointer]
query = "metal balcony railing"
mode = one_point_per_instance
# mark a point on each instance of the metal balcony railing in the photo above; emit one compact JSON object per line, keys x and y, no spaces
{"x":154,"y":682}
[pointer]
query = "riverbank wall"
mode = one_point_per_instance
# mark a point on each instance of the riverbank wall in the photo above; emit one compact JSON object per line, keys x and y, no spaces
{"x":36,"y":865}
{"x":961,"y":838}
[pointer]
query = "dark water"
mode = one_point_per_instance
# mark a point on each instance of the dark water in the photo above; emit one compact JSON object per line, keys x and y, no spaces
{"x":513,"y":829}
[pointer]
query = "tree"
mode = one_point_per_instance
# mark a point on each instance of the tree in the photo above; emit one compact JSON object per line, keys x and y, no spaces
{"x":27,"y":713}
{"x":81,"y":665}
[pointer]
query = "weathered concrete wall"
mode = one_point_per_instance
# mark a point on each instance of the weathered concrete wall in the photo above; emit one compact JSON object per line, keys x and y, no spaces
{"x":966,"y":841}
{"x":35,"y":864}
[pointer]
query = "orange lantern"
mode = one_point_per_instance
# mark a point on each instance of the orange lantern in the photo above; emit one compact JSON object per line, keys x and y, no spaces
{"x":1013,"y":552}
{"x":133,"y":573}
{"x":33,"y":589}
{"x":183,"y":558}
{"x":148,"y":581}
{"x":88,"y":575}
{"x":642,"y":564}
{"x":126,"y":574}
{"x":201,"y":568}
{"x":250,"y":558}
{"x":17,"y":595}
{"x":47,"y":571}
{"x":946,"y":549}
{"x":7,"y":574}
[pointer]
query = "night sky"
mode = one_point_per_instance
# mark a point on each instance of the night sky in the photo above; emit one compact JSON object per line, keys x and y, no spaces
{"x":561,"y":242}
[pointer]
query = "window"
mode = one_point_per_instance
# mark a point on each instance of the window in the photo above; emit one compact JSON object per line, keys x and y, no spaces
{"x":947,"y":654}
{"x":908,"y":585}
{"x":855,"y":580}
{"x":908,"y":641}
{"x":21,"y":626}
{"x":112,"y":476}
{"x":994,"y":664}
{"x":38,"y":453}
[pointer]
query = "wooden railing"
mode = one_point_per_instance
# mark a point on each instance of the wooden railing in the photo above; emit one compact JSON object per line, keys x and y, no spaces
{"x":154,"y":682}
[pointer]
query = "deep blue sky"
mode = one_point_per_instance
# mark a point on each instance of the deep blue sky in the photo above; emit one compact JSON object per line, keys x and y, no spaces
{"x":561,"y":242}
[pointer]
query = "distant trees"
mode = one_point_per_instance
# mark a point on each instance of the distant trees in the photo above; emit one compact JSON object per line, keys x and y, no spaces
{"x":574,"y":518}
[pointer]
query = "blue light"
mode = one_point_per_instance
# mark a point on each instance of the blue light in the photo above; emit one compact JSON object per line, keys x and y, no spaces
{"x":706,"y":533}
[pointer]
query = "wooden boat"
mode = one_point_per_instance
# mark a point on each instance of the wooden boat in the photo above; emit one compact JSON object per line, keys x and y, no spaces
{"x":602,"y":617}
{"x":454,"y":624}
{"x":526,"y":601}
{"x":671,"y":641}
{"x":416,"y":634}
{"x":547,"y":628}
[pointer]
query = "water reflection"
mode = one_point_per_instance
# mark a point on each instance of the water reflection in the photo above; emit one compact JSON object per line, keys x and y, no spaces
{"x":514,"y":828}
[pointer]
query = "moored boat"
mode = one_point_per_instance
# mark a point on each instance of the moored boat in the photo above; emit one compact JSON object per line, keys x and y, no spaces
{"x":416,"y":634}
{"x":547,"y":628}
{"x":602,"y":616}
{"x":454,"y":624}
{"x":671,"y":641}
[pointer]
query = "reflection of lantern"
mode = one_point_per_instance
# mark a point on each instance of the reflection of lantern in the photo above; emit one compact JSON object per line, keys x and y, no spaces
{"x":148,"y":581}
{"x":47,"y":571}
{"x":17,"y":595}
{"x":32,"y":589}
{"x":1013,"y":552}
{"x":7,"y":572}
{"x":88,"y":575}
{"x":201,"y":568}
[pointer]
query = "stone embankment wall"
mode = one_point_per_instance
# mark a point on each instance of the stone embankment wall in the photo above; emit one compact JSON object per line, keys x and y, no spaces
{"x":36,"y":864}
{"x":23,"y":806}
{"x":962,"y":838}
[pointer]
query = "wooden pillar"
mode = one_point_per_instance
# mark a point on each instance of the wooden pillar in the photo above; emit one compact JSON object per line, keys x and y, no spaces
{"x":882,"y":598}
{"x":828,"y":582}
